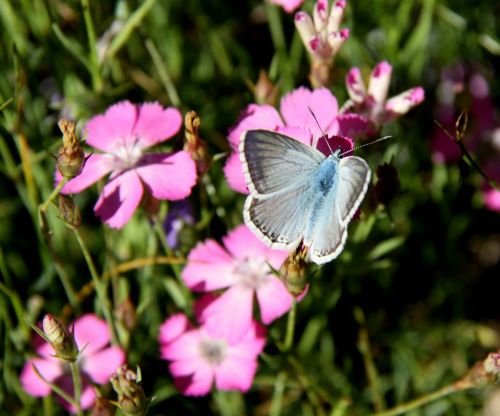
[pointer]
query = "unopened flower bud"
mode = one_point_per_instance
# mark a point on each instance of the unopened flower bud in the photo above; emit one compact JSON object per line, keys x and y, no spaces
{"x":127,"y":314}
{"x":194,"y":145}
{"x":69,"y":211}
{"x":102,"y":407}
{"x":71,"y":157}
{"x":131,"y":398}
{"x":264,"y":91}
{"x":293,"y":272}
{"x":59,"y":338}
{"x":492,"y":364}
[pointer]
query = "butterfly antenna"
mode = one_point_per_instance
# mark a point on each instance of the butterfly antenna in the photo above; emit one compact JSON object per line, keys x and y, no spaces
{"x":323,"y":135}
{"x":366,"y":144}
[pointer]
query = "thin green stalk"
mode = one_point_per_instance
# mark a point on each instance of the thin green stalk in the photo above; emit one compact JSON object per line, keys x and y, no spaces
{"x":290,"y":326}
{"x":77,"y":385}
{"x":162,"y":236}
{"x":279,"y":389}
{"x":423,"y":400}
{"x":18,"y":308}
{"x":93,"y":59}
{"x":42,"y":208}
{"x":165,"y":77}
{"x":98,"y":284}
{"x":72,"y":46}
{"x":56,"y":389}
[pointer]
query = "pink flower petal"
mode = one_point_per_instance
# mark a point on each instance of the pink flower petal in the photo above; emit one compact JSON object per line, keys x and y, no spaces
{"x":119,"y":199}
{"x":333,"y":143}
{"x":173,"y":328}
{"x":87,"y":397}
{"x":242,"y":244}
{"x":117,"y":123}
{"x":295,"y":111}
{"x":92,"y":333}
{"x":236,"y":374}
{"x":298,"y":133}
{"x":209,"y":267}
{"x":491,"y":198}
{"x":254,"y":117}
{"x":355,"y":85}
{"x":379,"y":82}
{"x":156,"y":124}
{"x":288,"y":5}
{"x":50,"y":369}
{"x":185,"y":347}
{"x":168,"y":176}
{"x":192,"y":378}
{"x":96,"y":166}
{"x":405,"y":101}
{"x":251,"y":345}
{"x":274,"y":299}
{"x":353,"y":125}
{"x":233,"y":172}
{"x":101,"y":365}
{"x":230,"y":316}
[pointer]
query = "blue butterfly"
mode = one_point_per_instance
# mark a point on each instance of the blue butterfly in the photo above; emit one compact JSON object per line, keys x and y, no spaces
{"x":298,"y":195}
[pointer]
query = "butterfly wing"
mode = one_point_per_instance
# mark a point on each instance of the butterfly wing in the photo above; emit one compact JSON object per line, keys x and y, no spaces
{"x":330,"y":232}
{"x":278,"y":171}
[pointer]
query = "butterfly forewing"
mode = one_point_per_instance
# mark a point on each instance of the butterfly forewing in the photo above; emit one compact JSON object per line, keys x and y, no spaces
{"x":273,"y":162}
{"x":354,"y":177}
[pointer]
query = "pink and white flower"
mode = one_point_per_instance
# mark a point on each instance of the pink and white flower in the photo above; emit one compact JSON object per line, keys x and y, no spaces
{"x":288,"y":5}
{"x":373,"y":102}
{"x":295,"y":121}
{"x":243,"y":266}
{"x":321,"y":34}
{"x":198,"y":358}
{"x":122,"y":135}
{"x":97,"y":361}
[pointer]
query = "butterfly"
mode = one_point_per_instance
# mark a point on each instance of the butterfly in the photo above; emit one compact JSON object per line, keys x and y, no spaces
{"x":299,"y":195}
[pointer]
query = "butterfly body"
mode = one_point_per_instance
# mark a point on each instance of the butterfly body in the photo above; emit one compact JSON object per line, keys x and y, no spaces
{"x":297,"y":194}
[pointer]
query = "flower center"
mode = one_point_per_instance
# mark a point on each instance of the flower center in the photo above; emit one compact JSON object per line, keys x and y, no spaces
{"x":213,"y":350}
{"x":252,"y":272}
{"x":126,"y":154}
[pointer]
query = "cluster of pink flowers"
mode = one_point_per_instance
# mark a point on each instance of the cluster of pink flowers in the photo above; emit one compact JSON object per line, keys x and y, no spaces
{"x":96,"y":359}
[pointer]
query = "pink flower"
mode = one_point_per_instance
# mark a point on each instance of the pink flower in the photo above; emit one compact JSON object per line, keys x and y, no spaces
{"x":122,"y":135}
{"x":97,"y":362}
{"x":199,"y":358}
{"x":320,"y":34}
{"x":297,"y":122}
{"x":288,"y":5}
{"x":242,"y":266}
{"x":373,"y":103}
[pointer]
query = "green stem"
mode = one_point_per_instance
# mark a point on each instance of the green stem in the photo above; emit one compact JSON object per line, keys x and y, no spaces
{"x":43,"y":207}
{"x":56,"y":389}
{"x":98,"y":284}
{"x":290,"y":326}
{"x":279,"y":388}
{"x":93,"y":59}
{"x":406,"y":407}
{"x":77,"y":385}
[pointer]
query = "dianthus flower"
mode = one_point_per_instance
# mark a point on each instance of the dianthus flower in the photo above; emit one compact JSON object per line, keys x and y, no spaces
{"x":295,"y":121}
{"x":288,"y":5}
{"x":97,"y":361}
{"x":122,"y":135}
{"x":198,"y":358}
{"x":243,"y":266}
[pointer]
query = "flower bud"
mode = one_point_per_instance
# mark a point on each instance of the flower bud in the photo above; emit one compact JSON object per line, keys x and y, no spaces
{"x":102,"y":407}
{"x":127,"y":314}
{"x":492,"y":364}
{"x":69,"y":211}
{"x":131,"y":398}
{"x":264,"y":91}
{"x":194,"y":145}
{"x":59,"y":338}
{"x":293,"y":272}
{"x":71,"y":157}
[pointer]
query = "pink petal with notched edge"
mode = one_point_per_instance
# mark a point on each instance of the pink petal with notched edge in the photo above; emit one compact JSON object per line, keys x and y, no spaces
{"x":353,"y":125}
{"x":92,"y":333}
{"x":233,"y":172}
{"x":379,"y":82}
{"x":254,"y":117}
{"x":301,"y":134}
{"x":156,"y":124}
{"x":96,"y":166}
{"x":173,"y":328}
{"x":168,"y":176}
{"x":235,"y":374}
{"x":295,"y":111}
{"x":192,"y":378}
{"x":274,"y":299}
{"x":230,"y":315}
{"x":242,"y":243}
{"x":50,"y":369}
{"x":119,"y":199}
{"x":333,"y":143}
{"x":102,"y":364}
{"x":185,"y":347}
{"x":402,"y":103}
{"x":209,"y":267}
{"x":355,"y":85}
{"x":103,"y":131}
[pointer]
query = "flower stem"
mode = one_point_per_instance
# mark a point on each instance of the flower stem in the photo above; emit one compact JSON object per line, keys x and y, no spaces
{"x":56,"y":389}
{"x":279,"y":388}
{"x":93,"y":60}
{"x":99,"y":285}
{"x":77,"y":385}
{"x":42,"y":208}
{"x":290,"y":326}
